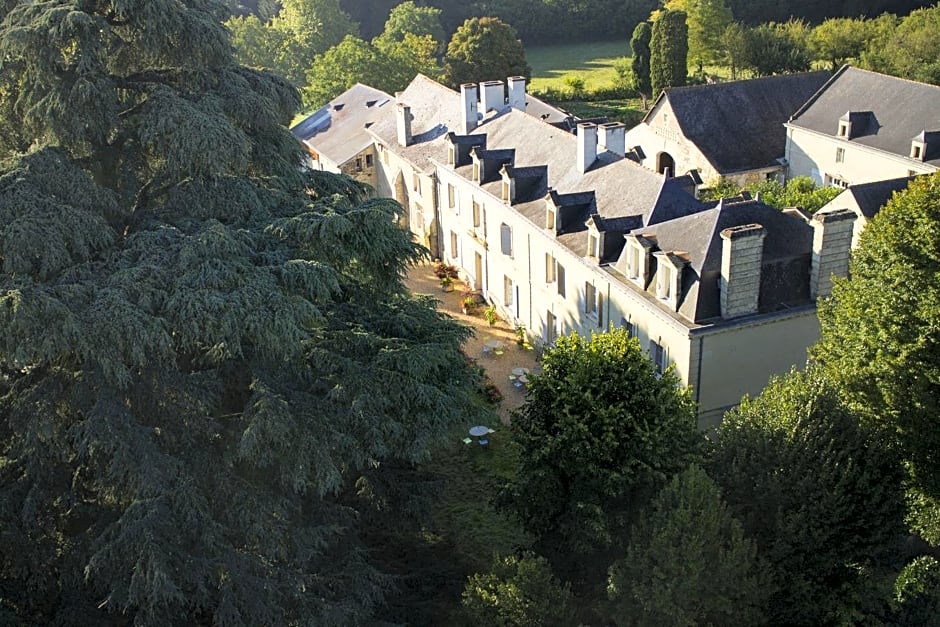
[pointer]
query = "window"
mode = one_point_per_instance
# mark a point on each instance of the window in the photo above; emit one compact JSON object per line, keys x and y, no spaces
{"x":835,"y":181}
{"x":550,"y":219}
{"x":451,"y":155}
{"x":505,"y":239}
{"x":560,"y":277}
{"x":384,"y":153}
{"x":358,"y":164}
{"x":629,"y":326}
{"x":476,"y":171}
{"x":664,"y":282}
{"x":416,"y":182}
{"x":600,"y":310}
{"x":507,"y":291}
{"x":843,"y":129}
{"x":549,"y":268}
{"x":451,"y":193}
{"x":593,"y":246}
{"x":911,"y":173}
{"x":590,"y":298}
{"x":916,"y":152}
{"x":551,"y":328}
{"x":658,"y":356}
{"x":453,"y":245}
{"x":476,"y":213}
{"x":506,"y":197}
{"x":840,"y":155}
{"x":368,"y":161}
{"x":633,"y":262}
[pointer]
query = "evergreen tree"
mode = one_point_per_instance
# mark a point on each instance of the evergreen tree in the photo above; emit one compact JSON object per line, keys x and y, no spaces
{"x":484,"y":49}
{"x":669,"y":51}
{"x":204,"y":347}
{"x":640,"y":63}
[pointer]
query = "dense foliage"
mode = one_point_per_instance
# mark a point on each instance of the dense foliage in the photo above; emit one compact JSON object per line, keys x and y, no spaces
{"x":707,"y":21}
{"x":817,"y":490}
{"x":484,"y":49}
{"x":595,"y":448}
{"x":688,"y":562}
{"x":640,"y":63}
{"x":208,"y":361}
{"x":669,"y":51}
{"x":800,"y":191}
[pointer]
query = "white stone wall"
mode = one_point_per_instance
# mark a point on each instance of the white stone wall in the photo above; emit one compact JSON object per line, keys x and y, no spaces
{"x":814,"y":154}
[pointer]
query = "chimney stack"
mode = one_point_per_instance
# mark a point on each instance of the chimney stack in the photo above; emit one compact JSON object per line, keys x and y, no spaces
{"x":832,"y":245}
{"x":613,"y":138}
{"x":587,"y":145}
{"x":517,"y":92}
{"x":403,"y":119}
{"x":468,"y":93}
{"x":742,"y":252}
{"x":493,"y":96}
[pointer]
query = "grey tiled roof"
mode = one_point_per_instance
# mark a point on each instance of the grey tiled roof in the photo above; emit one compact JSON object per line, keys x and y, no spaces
{"x":868,"y":197}
{"x":786,"y":257}
{"x":338,"y":129}
{"x":738,"y":125}
{"x":900,"y":110}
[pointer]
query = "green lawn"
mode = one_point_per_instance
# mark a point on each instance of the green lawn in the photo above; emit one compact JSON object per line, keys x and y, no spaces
{"x":593,"y":62}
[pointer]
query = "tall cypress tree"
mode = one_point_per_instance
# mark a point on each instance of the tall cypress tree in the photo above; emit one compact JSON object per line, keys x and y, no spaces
{"x":640,"y":63}
{"x":669,"y":51}
{"x":202,"y":347}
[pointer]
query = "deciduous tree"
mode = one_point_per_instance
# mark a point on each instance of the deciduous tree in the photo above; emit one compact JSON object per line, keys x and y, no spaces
{"x":688,"y":562}
{"x":203,"y":347}
{"x":595,"y":447}
{"x":707,"y":21}
{"x":484,"y":49}
{"x":818,"y":491}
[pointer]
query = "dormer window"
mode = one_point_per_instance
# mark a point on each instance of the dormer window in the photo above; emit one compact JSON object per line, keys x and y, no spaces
{"x":664,"y":282}
{"x":476,"y":171}
{"x":669,"y":277}
{"x":451,"y":155}
{"x":506,"y":189}
{"x":550,"y":219}
{"x":593,"y":245}
{"x":845,"y":128}
{"x":917,"y":152}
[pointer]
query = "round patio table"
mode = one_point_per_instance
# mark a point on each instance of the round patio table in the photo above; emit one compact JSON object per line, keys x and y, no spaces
{"x":519,"y":372}
{"x":479,"y":431}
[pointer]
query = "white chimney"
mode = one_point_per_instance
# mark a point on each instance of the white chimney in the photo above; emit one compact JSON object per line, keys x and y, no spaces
{"x":493,"y":96}
{"x":832,"y":244}
{"x":742,"y":253}
{"x":587,"y":145}
{"x":403,"y":120}
{"x":613,"y":137}
{"x":517,"y":92}
{"x":468,"y":93}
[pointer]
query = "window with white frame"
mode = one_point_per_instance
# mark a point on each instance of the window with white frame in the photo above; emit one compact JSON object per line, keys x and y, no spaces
{"x":560,"y":278}
{"x":453,"y":245}
{"x":451,"y":155}
{"x":507,"y":291}
{"x":505,"y":239}
{"x":835,"y":181}
{"x":593,"y":248}
{"x":416,"y":182}
{"x":629,"y":326}
{"x":549,"y":268}
{"x":840,"y":155}
{"x":551,"y":328}
{"x":506,"y":197}
{"x":550,"y":219}
{"x":600,"y":310}
{"x":590,"y":298}
{"x":476,"y":214}
{"x":633,"y":261}
{"x":451,"y":196}
{"x":664,"y":281}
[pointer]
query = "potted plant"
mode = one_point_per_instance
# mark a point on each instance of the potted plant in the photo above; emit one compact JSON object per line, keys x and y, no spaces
{"x":490,"y":314}
{"x":520,"y":336}
{"x":447,"y":283}
{"x":469,"y":304}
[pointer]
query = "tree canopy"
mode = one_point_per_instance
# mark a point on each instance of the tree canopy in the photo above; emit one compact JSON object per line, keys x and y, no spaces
{"x":688,"y":562}
{"x":640,"y":63}
{"x":669,"y":51}
{"x":594,"y":448}
{"x":484,"y":49}
{"x":205,"y":350}
{"x":707,"y":21}
{"x":817,"y":490}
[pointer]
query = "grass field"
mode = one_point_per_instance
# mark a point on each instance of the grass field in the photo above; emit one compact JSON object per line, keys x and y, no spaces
{"x":593,"y":62}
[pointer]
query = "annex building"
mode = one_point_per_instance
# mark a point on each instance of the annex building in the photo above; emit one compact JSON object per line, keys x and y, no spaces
{"x":558,"y":227}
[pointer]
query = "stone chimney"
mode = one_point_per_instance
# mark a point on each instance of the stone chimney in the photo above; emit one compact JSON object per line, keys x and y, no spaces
{"x":493,"y":96}
{"x":832,"y":244}
{"x":517,"y":92}
{"x":613,"y":137}
{"x":468,"y":94}
{"x":403,"y":119}
{"x":742,"y":251}
{"x":587,"y":145}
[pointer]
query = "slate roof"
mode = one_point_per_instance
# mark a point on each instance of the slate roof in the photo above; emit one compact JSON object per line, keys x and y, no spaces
{"x":868,"y":198}
{"x":339,"y":129}
{"x":738,"y":125}
{"x":900,"y":110}
{"x":785,"y":264}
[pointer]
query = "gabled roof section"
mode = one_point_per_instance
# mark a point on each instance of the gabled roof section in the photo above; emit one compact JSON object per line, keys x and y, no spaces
{"x":738,"y":125}
{"x":901,"y":109}
{"x":339,"y":130}
{"x":867,"y":198}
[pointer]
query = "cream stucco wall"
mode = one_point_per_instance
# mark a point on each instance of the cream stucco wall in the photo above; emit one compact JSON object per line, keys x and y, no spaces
{"x":814,"y":154}
{"x":395,"y":178}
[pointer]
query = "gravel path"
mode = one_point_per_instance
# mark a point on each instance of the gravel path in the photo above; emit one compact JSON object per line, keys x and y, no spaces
{"x":421,"y":280}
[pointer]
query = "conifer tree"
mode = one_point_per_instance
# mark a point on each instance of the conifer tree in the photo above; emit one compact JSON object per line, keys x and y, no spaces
{"x":669,"y":51}
{"x":640,"y":63}
{"x":202,"y":347}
